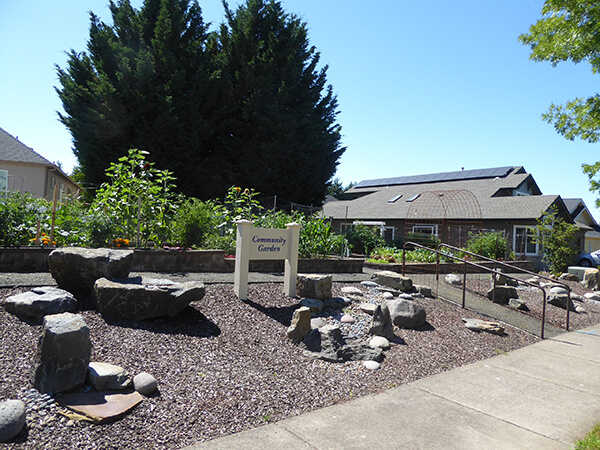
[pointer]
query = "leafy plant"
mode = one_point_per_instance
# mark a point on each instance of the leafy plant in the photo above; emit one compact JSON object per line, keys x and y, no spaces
{"x":364,"y":238}
{"x":195,"y":221}
{"x":19,"y":213}
{"x":491,"y":244}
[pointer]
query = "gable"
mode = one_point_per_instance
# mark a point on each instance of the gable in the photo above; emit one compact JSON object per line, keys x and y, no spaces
{"x":11,"y":149}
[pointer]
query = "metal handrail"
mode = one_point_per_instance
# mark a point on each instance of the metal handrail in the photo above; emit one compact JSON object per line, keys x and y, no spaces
{"x":518,"y":269}
{"x":479,"y":266}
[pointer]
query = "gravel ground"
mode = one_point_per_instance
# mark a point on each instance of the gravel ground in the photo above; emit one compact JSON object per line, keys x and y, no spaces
{"x":226,"y":365}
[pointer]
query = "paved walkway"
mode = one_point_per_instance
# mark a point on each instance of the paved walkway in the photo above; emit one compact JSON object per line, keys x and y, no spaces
{"x":544,"y":396}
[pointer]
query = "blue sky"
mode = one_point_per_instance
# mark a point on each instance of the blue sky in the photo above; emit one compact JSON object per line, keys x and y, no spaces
{"x":423,"y":87}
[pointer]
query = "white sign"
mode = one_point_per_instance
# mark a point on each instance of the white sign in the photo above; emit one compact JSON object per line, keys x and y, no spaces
{"x":265,"y":243}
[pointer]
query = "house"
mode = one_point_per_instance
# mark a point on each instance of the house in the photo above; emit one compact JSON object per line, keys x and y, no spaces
{"x":585,"y":221}
{"x":452,"y":205}
{"x":24,"y":170}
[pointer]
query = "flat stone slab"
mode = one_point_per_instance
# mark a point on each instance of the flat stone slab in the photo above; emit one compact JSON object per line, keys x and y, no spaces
{"x":41,"y":301}
{"x":134,"y":298}
{"x":100,"y":406}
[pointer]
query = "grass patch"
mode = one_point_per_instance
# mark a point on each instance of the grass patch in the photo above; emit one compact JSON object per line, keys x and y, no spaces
{"x":591,"y":441}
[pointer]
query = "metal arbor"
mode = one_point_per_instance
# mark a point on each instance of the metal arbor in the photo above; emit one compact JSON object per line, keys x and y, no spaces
{"x":450,"y":215}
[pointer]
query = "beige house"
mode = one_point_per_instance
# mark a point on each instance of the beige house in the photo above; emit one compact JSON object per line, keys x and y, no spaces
{"x":24,"y":170}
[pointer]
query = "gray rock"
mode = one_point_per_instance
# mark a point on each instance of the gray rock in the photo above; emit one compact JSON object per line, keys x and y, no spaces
{"x":352,"y":290}
{"x":368,"y":308}
{"x":389,"y":290}
{"x":568,"y":277}
{"x":381,"y":324}
{"x":393,"y":280}
{"x":406,"y":296}
{"x":388,"y":295}
{"x":372,"y":365}
{"x":76,"y":269}
{"x":369,"y":283}
{"x":590,"y":279}
{"x":425,"y":291}
{"x":316,"y":306}
{"x":453,"y":279}
{"x":517,"y":304}
{"x":317,"y":322}
{"x":482,"y":325}
{"x":12,"y":419}
{"x":581,"y":310}
{"x":144,"y":383}
{"x":328,"y":344}
{"x":501,"y":294}
{"x":139,"y":299}
{"x":63,"y":354}
{"x":557,"y":290}
{"x":314,"y":286}
{"x":41,"y":301}
{"x":300,"y":326}
{"x":503,"y":280}
{"x":560,"y":300}
{"x":104,"y":376}
{"x":594,"y":296}
{"x":406,"y":314}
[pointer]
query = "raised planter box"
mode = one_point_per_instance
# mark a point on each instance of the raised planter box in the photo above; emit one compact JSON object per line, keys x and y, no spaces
{"x":35,"y":259}
{"x":456,"y":267}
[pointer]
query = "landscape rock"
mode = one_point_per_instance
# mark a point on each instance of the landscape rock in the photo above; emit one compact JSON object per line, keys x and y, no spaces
{"x":590,"y":279}
{"x":347,"y":318}
{"x":368,"y":308}
{"x":328,"y":344}
{"x":76,"y":269}
{"x":568,"y":277}
{"x":317,"y":322}
{"x":482,"y":325}
{"x":41,"y":301}
{"x":104,"y":376}
{"x":381,"y":324}
{"x":103,"y":406}
{"x":63,"y":354}
{"x":372,"y":365}
{"x":12,"y":419}
{"x":144,"y":383}
{"x":314,"y":286}
{"x":393,"y":280}
{"x":594,"y":296}
{"x":559,"y":297}
{"x":379,"y":342}
{"x":300,"y":326}
{"x":369,"y":283}
{"x":453,"y":279}
{"x":517,"y":304}
{"x":501,"y":294}
{"x":352,"y":290}
{"x":425,"y":291}
{"x":503,"y":280}
{"x":134,"y":298}
{"x":389,"y":290}
{"x":388,"y":295}
{"x":406,"y":314}
{"x":581,"y":310}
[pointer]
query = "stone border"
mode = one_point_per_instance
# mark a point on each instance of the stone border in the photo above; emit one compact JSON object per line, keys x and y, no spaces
{"x":35,"y":259}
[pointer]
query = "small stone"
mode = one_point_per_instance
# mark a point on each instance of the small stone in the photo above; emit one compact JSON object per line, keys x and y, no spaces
{"x":594,"y":296}
{"x":580,"y":309}
{"x":369,"y":283}
{"x":12,"y":419}
{"x":104,"y":376}
{"x":144,"y":383}
{"x":316,"y":306}
{"x":347,"y":318}
{"x":517,"y":304}
{"x":379,"y":342}
{"x":317,"y":322}
{"x":352,"y":290}
{"x":453,"y":279}
{"x":372,"y":365}
{"x":388,"y":295}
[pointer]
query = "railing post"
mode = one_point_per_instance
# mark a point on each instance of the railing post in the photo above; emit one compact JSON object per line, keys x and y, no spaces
{"x":464,"y":286}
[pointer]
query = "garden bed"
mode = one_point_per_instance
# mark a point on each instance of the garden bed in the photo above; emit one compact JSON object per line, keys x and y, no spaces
{"x":455,"y":267}
{"x":226,"y":365}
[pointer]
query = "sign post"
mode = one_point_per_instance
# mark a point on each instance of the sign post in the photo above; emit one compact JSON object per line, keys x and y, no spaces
{"x":265,"y":243}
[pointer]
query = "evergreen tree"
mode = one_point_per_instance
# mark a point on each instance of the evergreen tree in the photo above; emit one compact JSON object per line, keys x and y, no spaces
{"x":281,"y":126}
{"x":145,"y":82}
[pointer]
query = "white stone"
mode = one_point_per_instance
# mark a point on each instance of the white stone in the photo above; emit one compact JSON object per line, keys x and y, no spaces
{"x":379,"y":342}
{"x":12,"y":419}
{"x":371,"y":365}
{"x":368,"y":308}
{"x":347,"y":318}
{"x":388,"y":295}
{"x":453,"y":279}
{"x":369,"y":283}
{"x":352,"y":290}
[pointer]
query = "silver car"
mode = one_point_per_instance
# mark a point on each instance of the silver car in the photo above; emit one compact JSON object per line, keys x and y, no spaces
{"x":589,"y":259}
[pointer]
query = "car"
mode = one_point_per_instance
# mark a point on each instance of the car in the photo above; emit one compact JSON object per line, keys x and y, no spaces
{"x":589,"y":259}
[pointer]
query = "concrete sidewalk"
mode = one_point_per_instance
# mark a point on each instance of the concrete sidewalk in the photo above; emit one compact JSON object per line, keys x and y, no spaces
{"x":544,"y":396}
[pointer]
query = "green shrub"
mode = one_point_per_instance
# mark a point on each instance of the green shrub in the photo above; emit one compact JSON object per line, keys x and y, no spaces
{"x":19,"y":214}
{"x":195,"y":221}
{"x":364,"y":238}
{"x":491,"y":244}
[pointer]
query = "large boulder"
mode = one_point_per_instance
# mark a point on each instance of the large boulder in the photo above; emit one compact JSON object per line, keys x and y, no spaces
{"x":381,"y":324}
{"x":77,"y":269}
{"x":406,"y":313}
{"x":63,"y":354}
{"x":41,"y":301}
{"x":300,"y":326}
{"x":12,"y":419}
{"x":393,"y":280}
{"x":138,"y":299}
{"x":328,"y":344}
{"x":591,"y":278}
{"x":314,"y":286}
{"x":501,"y":294}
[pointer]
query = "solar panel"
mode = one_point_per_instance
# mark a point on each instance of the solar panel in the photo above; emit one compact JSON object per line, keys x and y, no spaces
{"x":443,"y":176}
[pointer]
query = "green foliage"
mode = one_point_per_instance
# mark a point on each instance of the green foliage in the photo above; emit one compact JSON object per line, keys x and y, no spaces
{"x":568,"y":31}
{"x":138,"y":197}
{"x":556,"y":238}
{"x":336,"y":189}
{"x":394,"y":255}
{"x":195,"y":221}
{"x":317,"y":239}
{"x":424,"y":239}
{"x":491,"y":244}
{"x":591,"y":441}
{"x":19,"y":214}
{"x":364,"y":238}
{"x":241,"y":105}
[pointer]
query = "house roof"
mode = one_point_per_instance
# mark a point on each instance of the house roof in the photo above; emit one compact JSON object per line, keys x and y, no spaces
{"x":487,"y":196}
{"x":11,"y":149}
{"x":580,"y":212}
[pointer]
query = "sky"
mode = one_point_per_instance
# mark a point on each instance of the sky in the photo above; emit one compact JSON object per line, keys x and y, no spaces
{"x":422,"y":87}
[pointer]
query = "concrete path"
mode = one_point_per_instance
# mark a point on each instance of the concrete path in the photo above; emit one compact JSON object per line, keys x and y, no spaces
{"x":545,"y":396}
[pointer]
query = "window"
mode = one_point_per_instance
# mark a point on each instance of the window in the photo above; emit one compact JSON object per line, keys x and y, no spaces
{"x":3,"y":180}
{"x":425,"y":229}
{"x":413,"y":198}
{"x":523,"y":241}
{"x":395,"y":198}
